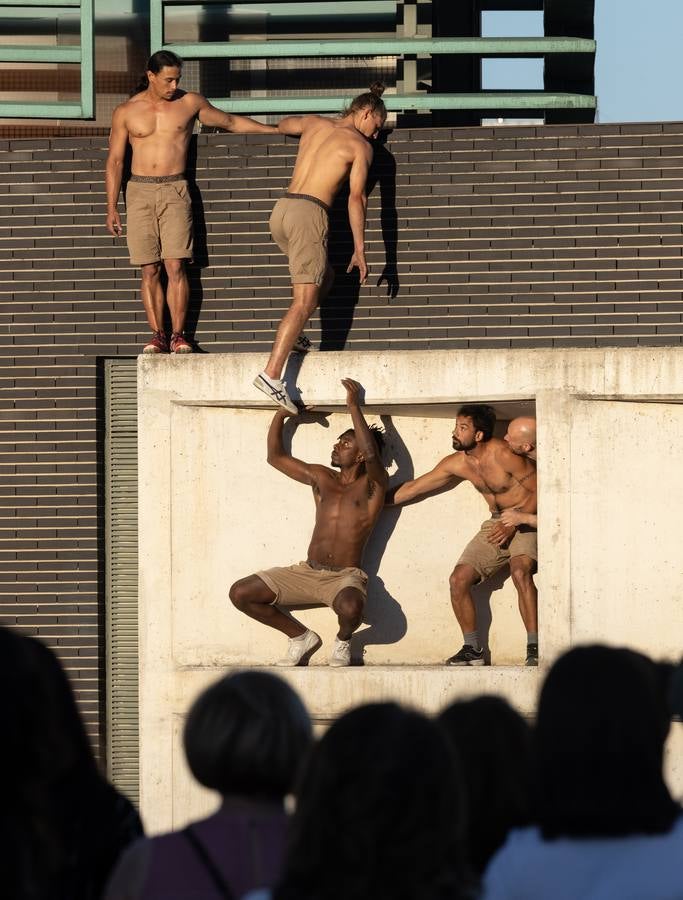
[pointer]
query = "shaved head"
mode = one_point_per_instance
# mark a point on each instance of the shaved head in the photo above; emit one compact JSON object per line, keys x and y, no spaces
{"x":521,"y":436}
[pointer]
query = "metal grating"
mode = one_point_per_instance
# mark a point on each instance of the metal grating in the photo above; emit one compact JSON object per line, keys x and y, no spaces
{"x":121,"y":516}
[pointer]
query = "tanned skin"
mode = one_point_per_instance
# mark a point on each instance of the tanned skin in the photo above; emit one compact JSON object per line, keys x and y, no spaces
{"x":330,"y":151}
{"x":506,"y":481}
{"x":158,"y":124}
{"x":347,"y":505}
{"x":521,"y":439}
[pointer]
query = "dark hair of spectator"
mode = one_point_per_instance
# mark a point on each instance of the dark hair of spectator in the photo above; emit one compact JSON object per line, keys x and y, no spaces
{"x":155,"y":64}
{"x":380,"y":813}
{"x":483,"y":417}
{"x":494,"y":746}
{"x":371,"y":100}
{"x":62,"y":826}
{"x":602,"y":722}
{"x":247,"y":735}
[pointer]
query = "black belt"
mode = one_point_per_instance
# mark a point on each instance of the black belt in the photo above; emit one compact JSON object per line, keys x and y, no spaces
{"x":157,"y":179}
{"x":310,"y":198}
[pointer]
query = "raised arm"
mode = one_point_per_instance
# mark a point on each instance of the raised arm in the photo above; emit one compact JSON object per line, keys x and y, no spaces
{"x":209,"y":115}
{"x":364,"y":439}
{"x":113,"y":172}
{"x":358,"y":204}
{"x":279,"y":458}
{"x":444,"y":475}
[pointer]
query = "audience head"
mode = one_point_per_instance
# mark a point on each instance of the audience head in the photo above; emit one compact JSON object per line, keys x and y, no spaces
{"x":247,"y":735}
{"x":494,"y":745}
{"x":603,"y":718}
{"x":380,"y":812}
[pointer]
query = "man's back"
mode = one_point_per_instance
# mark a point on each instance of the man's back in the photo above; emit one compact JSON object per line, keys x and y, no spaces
{"x":327,"y":150}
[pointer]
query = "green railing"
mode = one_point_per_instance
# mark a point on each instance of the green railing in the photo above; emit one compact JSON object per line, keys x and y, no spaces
{"x":82,"y":53}
{"x":381,"y":46}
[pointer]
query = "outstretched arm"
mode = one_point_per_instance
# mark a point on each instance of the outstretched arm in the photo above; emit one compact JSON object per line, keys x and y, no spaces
{"x":364,"y":439}
{"x":209,"y":115}
{"x":358,"y":204}
{"x":279,"y":458}
{"x":445,"y":474}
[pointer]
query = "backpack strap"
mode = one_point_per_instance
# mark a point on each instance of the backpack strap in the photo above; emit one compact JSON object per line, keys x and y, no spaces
{"x":210,"y":866}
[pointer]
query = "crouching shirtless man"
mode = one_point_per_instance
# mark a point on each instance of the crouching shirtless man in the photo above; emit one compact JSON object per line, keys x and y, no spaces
{"x":348,"y":503}
{"x":506,"y":481}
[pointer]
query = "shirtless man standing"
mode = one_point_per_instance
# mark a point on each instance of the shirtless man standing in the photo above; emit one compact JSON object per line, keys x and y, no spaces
{"x":506,"y":481}
{"x":347,"y":504}
{"x":158,"y":121}
{"x":329,"y":151}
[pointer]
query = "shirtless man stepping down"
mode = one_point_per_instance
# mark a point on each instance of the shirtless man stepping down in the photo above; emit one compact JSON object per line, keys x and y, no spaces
{"x":506,"y":481}
{"x":158,"y":121}
{"x":347,"y":504}
{"x":330,"y":150}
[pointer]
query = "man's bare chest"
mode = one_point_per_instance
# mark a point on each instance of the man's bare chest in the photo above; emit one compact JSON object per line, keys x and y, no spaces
{"x":489,"y":478}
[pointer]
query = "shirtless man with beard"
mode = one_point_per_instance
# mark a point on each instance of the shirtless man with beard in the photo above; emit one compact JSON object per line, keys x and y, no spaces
{"x":347,"y":506}
{"x":506,"y":481}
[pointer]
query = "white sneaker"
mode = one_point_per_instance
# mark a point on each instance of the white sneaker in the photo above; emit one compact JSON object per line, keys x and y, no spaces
{"x":276,"y":390}
{"x":341,"y":653}
{"x":300,"y":649}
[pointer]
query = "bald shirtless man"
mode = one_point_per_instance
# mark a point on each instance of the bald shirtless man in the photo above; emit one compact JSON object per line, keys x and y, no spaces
{"x":347,"y":505}
{"x":330,"y":150}
{"x":505,"y":481}
{"x":521,"y":439}
{"x":158,"y":121}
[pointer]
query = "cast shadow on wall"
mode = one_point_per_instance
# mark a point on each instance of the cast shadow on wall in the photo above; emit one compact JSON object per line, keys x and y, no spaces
{"x":338,"y":308}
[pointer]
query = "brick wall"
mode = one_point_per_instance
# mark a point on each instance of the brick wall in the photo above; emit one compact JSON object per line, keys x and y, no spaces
{"x":526,"y":237}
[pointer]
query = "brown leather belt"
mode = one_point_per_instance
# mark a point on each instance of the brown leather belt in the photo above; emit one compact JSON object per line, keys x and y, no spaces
{"x":157,"y":179}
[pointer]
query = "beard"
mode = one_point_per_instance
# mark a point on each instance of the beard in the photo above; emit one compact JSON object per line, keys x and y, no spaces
{"x":459,"y":445}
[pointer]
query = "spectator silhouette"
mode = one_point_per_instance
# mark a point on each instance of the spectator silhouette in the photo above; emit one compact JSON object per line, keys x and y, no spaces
{"x":493,"y":743}
{"x":608,"y":827}
{"x":62,"y":825}
{"x":380,"y":813}
{"x":245,"y":737}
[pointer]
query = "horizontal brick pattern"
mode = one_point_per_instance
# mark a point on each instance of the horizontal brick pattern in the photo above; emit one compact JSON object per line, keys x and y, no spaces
{"x":549,"y":236}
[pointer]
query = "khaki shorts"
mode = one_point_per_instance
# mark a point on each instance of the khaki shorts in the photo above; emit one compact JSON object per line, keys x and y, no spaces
{"x":299,"y":225}
{"x":159,"y":221}
{"x":487,"y":559}
{"x":301,"y":584}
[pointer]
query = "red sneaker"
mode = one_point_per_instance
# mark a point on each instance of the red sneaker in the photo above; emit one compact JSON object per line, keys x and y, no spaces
{"x":179,"y":344}
{"x":158,"y":344}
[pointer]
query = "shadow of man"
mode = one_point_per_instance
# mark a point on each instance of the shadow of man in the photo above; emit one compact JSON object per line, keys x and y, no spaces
{"x":200,"y":257}
{"x":338,"y":308}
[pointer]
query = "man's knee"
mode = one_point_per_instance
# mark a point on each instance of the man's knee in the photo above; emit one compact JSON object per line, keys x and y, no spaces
{"x":522,"y":569}
{"x":242,"y":593}
{"x":349,"y":605}
{"x":151,"y":271}
{"x":462,"y":578}
{"x":175,"y":269}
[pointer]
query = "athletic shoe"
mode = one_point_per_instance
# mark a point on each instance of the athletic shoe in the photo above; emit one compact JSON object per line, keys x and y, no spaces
{"x":276,"y":390}
{"x":158,"y":344}
{"x":341,"y":654}
{"x":467,"y":656}
{"x":179,"y":344}
{"x":300,"y":649}
{"x":531,"y":655}
{"x":302,"y":344}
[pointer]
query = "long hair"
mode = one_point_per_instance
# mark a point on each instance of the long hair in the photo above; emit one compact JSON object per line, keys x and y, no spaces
{"x":494,"y":744}
{"x":379,"y":813}
{"x":371,"y":99}
{"x":155,"y":64}
{"x":602,"y":722}
{"x":62,"y":826}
